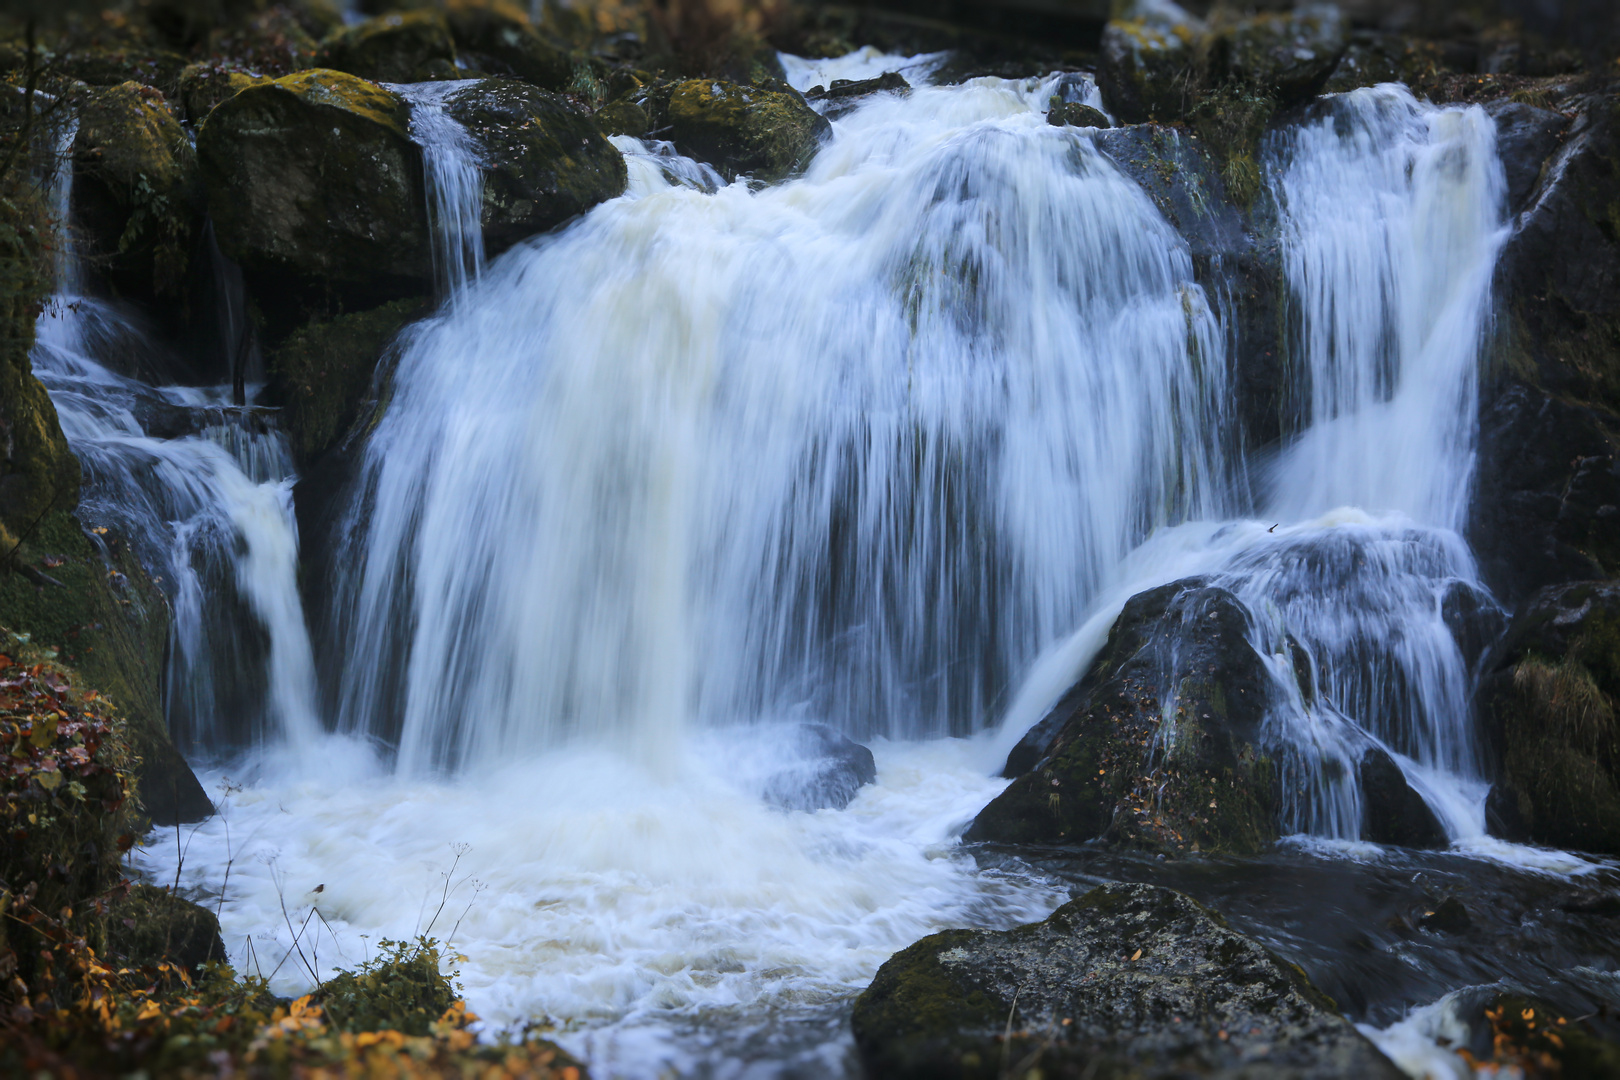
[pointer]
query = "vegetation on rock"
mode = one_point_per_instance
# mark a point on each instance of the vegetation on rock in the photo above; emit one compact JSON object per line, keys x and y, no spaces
{"x":404,"y":47}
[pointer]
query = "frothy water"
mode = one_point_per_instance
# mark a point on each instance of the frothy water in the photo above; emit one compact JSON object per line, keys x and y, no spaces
{"x":454,"y":181}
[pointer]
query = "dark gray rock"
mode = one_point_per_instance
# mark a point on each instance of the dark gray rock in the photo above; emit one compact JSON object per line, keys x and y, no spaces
{"x":1289,"y":54}
{"x":1525,"y":138}
{"x":1127,"y":980}
{"x":1391,"y":812}
{"x":1075,"y":114}
{"x":845,"y":94}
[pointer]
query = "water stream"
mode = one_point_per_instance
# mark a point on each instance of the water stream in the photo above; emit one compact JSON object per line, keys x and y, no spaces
{"x":884,"y":447}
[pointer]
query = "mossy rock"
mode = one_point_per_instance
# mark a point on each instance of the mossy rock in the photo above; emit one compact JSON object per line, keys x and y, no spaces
{"x":314,"y":184}
{"x":1289,"y":55}
{"x":1125,"y":981}
{"x":1549,"y":706}
{"x":766,"y":132}
{"x":153,"y":925}
{"x":38,"y":472}
{"x":497,"y":36}
{"x":203,"y":86}
{"x":545,"y":160}
{"x":96,"y":606}
{"x":1146,"y":68}
{"x":1159,"y":746}
{"x":137,"y":200}
{"x":405,"y":47}
{"x":278,"y":41}
{"x":1076,"y":114}
{"x":320,"y":375}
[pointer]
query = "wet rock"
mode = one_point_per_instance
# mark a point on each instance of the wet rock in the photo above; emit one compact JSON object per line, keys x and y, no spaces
{"x":1373,"y":57}
{"x":152,"y":925}
{"x":545,"y":161}
{"x":1391,"y":812}
{"x":203,"y":86}
{"x":497,"y":37}
{"x":1145,"y":69}
{"x":315,"y":186}
{"x":1525,"y":138}
{"x":136,"y":196}
{"x":1127,"y":980}
{"x":766,"y":131}
{"x":829,"y":771}
{"x":1548,"y":707}
{"x":1448,"y":917}
{"x":320,"y":375}
{"x":1287,"y":54}
{"x":1117,"y":771}
{"x":844,"y":94}
{"x":412,"y":46}
{"x":1075,"y":114}
{"x":1474,"y":618}
{"x":1173,"y":170}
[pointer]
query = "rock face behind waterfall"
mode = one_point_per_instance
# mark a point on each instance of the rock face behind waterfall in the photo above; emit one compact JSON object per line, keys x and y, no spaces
{"x":1550,"y":706}
{"x":545,"y":160}
{"x":1158,"y":746}
{"x":1127,"y":980}
{"x":314,"y":183}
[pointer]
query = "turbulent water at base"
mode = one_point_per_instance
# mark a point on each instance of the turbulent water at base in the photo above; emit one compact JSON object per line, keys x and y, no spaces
{"x":884,"y":447}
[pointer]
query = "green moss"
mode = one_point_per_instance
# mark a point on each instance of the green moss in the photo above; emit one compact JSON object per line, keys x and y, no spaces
{"x":339,"y":90}
{"x":1231,"y":121}
{"x":322,"y":373}
{"x":914,"y":1004}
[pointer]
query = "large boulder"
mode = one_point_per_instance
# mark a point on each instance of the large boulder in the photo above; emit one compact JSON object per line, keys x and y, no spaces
{"x":1549,"y":706}
{"x":1146,"y":66}
{"x":1158,"y":746}
{"x":765,"y":131}
{"x":136,"y":198}
{"x":545,"y":161}
{"x":404,"y":47}
{"x":1127,"y":980}
{"x":315,"y":186}
{"x":151,"y":925}
{"x":1287,"y":54}
{"x":497,"y":37}
{"x":205,"y":85}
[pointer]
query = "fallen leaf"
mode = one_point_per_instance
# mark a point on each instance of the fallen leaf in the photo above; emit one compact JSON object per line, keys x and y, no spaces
{"x":1137,"y":955}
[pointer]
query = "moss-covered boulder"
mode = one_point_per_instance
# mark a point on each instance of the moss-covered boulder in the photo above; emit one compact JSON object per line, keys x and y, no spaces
{"x":404,"y":47}
{"x":321,"y":374}
{"x":151,"y":925}
{"x":1146,"y":67}
{"x":766,"y":131}
{"x":1076,"y":114}
{"x":1288,"y":54}
{"x":315,"y":185}
{"x":497,"y":37}
{"x":1126,"y":981}
{"x":205,"y":85}
{"x":137,"y":201}
{"x":1549,"y":705}
{"x":1159,"y":745}
{"x":545,"y":160}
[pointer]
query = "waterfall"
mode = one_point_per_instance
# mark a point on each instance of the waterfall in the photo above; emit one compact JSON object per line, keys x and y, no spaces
{"x":454,"y":182}
{"x":202,"y":490}
{"x":851,"y":449}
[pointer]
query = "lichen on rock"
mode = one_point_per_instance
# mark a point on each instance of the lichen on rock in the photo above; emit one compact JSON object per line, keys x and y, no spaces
{"x":765,"y":131}
{"x":1146,"y":68}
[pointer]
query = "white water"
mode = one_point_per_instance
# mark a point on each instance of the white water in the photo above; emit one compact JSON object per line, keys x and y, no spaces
{"x":454,"y":181}
{"x":863,"y":448}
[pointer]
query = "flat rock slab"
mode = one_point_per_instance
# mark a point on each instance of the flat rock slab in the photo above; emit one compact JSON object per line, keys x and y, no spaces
{"x":1126,"y":981}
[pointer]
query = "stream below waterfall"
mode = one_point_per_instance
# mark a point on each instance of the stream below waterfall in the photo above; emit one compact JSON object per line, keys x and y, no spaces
{"x":884,"y":448}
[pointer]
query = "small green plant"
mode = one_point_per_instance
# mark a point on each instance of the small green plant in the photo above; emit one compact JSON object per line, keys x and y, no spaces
{"x":401,"y":989}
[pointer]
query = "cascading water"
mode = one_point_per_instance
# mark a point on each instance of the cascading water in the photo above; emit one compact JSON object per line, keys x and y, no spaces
{"x":203,"y":491}
{"x":455,"y":186}
{"x":864,"y":448}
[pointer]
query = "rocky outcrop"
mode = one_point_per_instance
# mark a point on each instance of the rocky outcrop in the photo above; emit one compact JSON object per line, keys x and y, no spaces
{"x":1158,"y":746}
{"x":1127,"y":980}
{"x":404,"y":47}
{"x":1146,"y":67}
{"x":497,"y":38}
{"x":315,"y":187}
{"x":137,"y":202}
{"x":1549,"y":708}
{"x":545,"y":161}
{"x":766,"y":132}
{"x":1288,"y":54}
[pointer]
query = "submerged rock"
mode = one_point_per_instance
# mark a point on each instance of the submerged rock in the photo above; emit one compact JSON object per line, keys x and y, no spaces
{"x":845,"y":94}
{"x":1146,"y":65}
{"x":1127,"y":980}
{"x":1548,"y":706}
{"x":314,"y":184}
{"x":136,"y":197}
{"x":497,"y":37}
{"x":1288,"y":54}
{"x":829,"y":771}
{"x":404,"y":47}
{"x":765,"y":131}
{"x":1158,"y":745}
{"x":545,"y":161}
